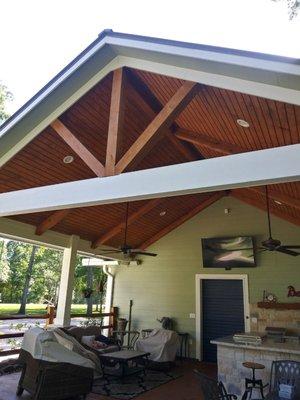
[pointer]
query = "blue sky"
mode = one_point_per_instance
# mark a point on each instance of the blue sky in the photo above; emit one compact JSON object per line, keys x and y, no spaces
{"x":41,"y":37}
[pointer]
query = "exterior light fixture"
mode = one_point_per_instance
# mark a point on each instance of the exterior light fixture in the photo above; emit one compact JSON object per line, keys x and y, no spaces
{"x":243,"y":123}
{"x":68,"y":159}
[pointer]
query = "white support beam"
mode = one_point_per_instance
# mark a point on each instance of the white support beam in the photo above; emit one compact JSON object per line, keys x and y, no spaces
{"x":255,"y":168}
{"x":63,"y":314}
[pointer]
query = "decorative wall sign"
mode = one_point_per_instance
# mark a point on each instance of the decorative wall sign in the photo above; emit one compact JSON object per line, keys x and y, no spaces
{"x":292,"y":292}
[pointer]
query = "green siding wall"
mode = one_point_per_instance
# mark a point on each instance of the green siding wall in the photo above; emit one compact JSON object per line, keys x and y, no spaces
{"x":165,"y":285}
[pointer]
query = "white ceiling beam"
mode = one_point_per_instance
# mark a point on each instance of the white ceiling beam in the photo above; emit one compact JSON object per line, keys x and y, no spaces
{"x":255,"y":168}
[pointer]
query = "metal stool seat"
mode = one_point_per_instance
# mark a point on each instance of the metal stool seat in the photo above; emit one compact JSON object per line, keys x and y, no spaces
{"x":253,"y":383}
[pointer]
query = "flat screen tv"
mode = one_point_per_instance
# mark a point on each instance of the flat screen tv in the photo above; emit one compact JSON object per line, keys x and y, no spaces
{"x":233,"y":252}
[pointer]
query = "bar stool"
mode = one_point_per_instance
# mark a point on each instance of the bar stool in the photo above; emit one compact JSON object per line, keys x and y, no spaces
{"x":253,"y":383}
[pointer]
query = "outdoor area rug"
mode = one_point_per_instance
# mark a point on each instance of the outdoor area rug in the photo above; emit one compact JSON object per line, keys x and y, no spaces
{"x":132,"y":386}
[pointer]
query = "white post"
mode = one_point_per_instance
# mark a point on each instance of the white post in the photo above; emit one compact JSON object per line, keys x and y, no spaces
{"x":63,"y":315}
{"x":109,"y":295}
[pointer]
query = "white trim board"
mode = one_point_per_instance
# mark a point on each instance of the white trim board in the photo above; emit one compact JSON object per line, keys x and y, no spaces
{"x":198,"y":280}
{"x":202,"y":176}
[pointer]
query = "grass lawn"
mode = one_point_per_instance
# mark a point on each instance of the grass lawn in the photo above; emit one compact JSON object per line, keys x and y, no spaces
{"x":32,"y":309}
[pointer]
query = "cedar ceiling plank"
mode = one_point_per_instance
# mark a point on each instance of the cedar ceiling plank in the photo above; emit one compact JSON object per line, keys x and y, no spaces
{"x":156,"y":128}
{"x":90,"y":160}
{"x":51,"y":221}
{"x":227,"y":118}
{"x":207,"y":141}
{"x":262,"y":206}
{"x":265,"y":125}
{"x":143,"y":90}
{"x":146,"y":95}
{"x":283,"y":198}
{"x":116,"y":116}
{"x":23,"y":164}
{"x":242,"y":111}
{"x":204,"y":204}
{"x":290,"y":112}
{"x":131,"y":218}
{"x":184,"y":150}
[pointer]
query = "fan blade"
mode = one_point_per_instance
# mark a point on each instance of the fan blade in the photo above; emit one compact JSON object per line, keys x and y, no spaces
{"x":290,"y":247}
{"x":143,"y":253}
{"x":111,"y":251}
{"x":282,"y":249}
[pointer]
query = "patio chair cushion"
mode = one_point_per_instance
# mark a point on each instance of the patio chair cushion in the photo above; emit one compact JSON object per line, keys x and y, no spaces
{"x":78,"y":331}
{"x":87,"y":340}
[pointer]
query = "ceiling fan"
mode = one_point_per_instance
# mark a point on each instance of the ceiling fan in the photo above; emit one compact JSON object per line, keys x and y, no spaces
{"x":126,"y":249}
{"x":275,"y":244}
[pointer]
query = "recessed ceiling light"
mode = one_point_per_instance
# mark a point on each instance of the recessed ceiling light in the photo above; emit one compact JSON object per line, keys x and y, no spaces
{"x":68,"y":159}
{"x":278,"y":202}
{"x":243,"y":123}
{"x":163,"y":213}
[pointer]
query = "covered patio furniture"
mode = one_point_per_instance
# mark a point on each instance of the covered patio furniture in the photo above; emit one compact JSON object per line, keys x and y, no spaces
{"x":162,"y":344}
{"x":46,"y":380}
{"x":50,"y":370}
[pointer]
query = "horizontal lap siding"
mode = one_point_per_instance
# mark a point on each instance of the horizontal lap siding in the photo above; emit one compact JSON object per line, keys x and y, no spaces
{"x":165,"y":285}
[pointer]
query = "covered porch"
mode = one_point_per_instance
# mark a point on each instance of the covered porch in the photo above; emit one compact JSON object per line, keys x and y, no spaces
{"x":148,"y":146}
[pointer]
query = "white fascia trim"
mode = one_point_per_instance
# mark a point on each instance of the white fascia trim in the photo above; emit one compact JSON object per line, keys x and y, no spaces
{"x":254,"y":168}
{"x":206,"y":55}
{"x":216,"y":80}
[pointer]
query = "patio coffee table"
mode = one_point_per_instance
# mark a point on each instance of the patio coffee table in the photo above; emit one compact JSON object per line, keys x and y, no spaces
{"x":130,"y":362}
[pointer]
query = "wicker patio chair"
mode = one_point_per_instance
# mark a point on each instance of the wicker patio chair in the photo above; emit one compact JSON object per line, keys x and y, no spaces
{"x":49,"y":380}
{"x":214,"y":390}
{"x":285,"y":371}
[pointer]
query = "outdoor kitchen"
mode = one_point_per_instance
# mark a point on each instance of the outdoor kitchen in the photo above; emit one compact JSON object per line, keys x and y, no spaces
{"x":247,"y":357}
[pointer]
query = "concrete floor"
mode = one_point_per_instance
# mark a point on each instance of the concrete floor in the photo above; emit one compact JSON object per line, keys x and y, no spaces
{"x":183,"y":388}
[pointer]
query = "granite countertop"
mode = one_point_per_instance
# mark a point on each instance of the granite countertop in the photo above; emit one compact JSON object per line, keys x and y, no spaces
{"x":290,"y":346}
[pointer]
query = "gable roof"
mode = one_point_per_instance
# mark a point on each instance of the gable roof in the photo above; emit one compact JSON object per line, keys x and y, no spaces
{"x":254,"y":73}
{"x":233,"y":84}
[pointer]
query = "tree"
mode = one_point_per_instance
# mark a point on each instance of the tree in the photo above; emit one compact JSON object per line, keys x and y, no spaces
{"x":5,"y":96}
{"x":4,"y":267}
{"x":45,"y":275}
{"x":24,"y":297}
{"x":293,"y":7}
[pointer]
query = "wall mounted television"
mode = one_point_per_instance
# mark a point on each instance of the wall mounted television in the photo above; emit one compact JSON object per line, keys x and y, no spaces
{"x":232,"y":252}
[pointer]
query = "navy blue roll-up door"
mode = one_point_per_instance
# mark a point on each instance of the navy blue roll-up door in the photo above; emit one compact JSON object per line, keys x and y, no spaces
{"x":222,"y":312}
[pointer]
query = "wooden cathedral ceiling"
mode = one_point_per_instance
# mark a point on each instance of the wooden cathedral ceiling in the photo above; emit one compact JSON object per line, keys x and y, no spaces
{"x":123,"y":124}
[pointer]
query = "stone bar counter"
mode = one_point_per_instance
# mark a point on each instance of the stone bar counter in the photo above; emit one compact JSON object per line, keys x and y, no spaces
{"x":231,"y":356}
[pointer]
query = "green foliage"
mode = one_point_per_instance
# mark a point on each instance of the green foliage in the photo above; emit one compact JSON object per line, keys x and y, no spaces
{"x":4,"y":267}
{"x":5,"y":96}
{"x":45,"y":276}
